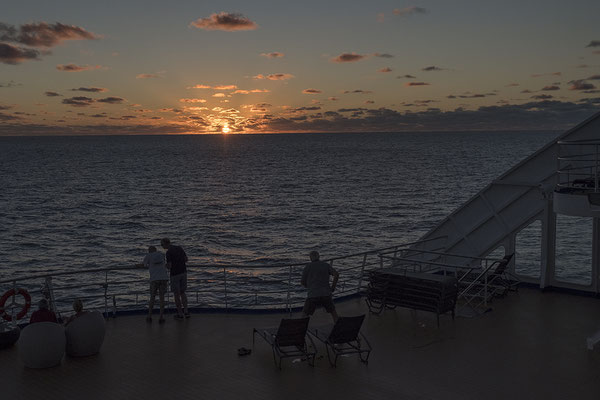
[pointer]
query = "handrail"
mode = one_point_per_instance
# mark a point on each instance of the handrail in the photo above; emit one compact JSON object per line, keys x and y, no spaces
{"x":209,"y":266}
{"x":223,"y":286}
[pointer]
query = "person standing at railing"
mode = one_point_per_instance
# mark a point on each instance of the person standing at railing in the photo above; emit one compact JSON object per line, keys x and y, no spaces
{"x":176,"y":259}
{"x":155,"y":262}
{"x":315,"y":277}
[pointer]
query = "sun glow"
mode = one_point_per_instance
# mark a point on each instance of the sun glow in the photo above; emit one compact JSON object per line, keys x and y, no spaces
{"x":225,"y":128}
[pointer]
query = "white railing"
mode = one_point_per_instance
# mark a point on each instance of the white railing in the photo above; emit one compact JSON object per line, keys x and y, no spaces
{"x":221,"y":287}
{"x":578,"y":166}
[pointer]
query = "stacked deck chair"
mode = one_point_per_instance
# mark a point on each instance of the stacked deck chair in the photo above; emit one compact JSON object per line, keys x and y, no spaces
{"x":344,"y":337}
{"x":288,"y":340}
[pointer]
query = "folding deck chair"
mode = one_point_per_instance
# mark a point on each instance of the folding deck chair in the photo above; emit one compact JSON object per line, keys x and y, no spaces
{"x":288,"y":340}
{"x":344,"y":337}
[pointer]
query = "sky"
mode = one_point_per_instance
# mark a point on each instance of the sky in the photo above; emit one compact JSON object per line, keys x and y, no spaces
{"x":149,"y":67}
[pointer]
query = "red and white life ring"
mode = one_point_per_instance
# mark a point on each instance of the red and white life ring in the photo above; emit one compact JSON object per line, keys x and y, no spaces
{"x":11,"y":293}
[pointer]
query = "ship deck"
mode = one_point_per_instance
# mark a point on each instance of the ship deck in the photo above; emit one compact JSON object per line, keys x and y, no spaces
{"x":531,"y":346}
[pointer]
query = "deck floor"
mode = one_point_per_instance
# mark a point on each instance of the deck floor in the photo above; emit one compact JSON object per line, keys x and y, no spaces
{"x":531,"y":346}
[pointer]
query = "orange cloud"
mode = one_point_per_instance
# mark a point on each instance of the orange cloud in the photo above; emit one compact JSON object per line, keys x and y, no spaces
{"x":312,"y":91}
{"x":386,"y":69}
{"x":225,"y":22}
{"x":416,"y":84}
{"x":225,"y":87}
{"x":192,"y":100}
{"x":274,"y":54}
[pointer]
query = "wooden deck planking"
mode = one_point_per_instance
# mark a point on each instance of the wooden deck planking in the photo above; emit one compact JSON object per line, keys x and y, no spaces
{"x":531,"y":346}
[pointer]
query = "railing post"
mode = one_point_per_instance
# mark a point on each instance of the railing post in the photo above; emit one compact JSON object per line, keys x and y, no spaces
{"x":225,"y":283}
{"x":289,"y":288}
{"x":106,"y":294}
{"x":362,"y":271}
{"x":13,"y":303}
{"x":596,"y":172}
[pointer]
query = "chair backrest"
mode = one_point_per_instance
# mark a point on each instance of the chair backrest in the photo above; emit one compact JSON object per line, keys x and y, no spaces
{"x":502,"y":264}
{"x":346,"y":329}
{"x":292,"y":332}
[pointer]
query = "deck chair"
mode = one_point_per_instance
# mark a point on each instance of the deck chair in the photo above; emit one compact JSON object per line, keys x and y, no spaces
{"x":288,"y":340}
{"x":479,"y":289}
{"x":344,"y":337}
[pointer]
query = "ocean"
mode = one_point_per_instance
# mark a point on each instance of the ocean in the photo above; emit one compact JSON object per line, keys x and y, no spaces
{"x":70,"y":203}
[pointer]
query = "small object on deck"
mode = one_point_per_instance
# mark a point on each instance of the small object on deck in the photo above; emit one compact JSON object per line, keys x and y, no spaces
{"x":242,"y":351}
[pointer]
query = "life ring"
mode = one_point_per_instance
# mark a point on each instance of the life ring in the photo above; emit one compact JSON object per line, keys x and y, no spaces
{"x":11,"y":293}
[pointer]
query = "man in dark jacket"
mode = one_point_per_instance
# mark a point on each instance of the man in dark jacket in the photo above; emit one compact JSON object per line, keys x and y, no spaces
{"x":176,"y":259}
{"x":315,"y":278}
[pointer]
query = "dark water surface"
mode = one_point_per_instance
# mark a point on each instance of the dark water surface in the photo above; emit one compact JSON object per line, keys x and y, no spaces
{"x":74,"y":202}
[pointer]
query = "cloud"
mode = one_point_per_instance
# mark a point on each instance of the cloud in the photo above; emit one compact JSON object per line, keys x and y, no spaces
{"x":332,"y":99}
{"x":311,"y":91}
{"x":224,"y":87}
{"x":386,"y":69}
{"x":90,"y":89}
{"x":312,"y":108}
{"x":593,"y":78}
{"x":10,"y":84}
{"x":273,"y":54}
{"x":536,"y":115}
{"x":512,"y":85}
{"x":42,"y":34}
{"x":360,"y":91}
{"x":383,"y":55}
{"x":218,"y":95}
{"x":192,"y":100}
{"x":369,"y":102}
{"x":469,"y":95}
{"x":409,"y":11}
{"x":406,"y":77}
{"x":199,"y":86}
{"x":13,"y":55}
{"x":78,"y":101}
{"x":52,"y":94}
{"x":416,"y":84}
{"x":111,"y":100}
{"x":432,"y":68}
{"x":76,"y":68}
{"x":547,"y":74}
{"x":275,"y":77}
{"x":7,"y":117}
{"x":225,"y":22}
{"x":348,"y":57}
{"x":147,"y":76}
{"x":580,"y":84}
{"x":550,"y":88}
{"x":244,"y":91}
{"x":542,"y":97}
{"x":594,"y":43}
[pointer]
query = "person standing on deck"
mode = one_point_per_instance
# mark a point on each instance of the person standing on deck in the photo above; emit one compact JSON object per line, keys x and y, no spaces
{"x":155,"y":262}
{"x":315,"y":278}
{"x":176,"y":259}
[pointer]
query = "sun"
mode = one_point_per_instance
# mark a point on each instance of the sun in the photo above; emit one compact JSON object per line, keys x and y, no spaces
{"x":225,"y":128}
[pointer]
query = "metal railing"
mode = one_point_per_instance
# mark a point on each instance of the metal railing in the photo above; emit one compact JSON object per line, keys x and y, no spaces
{"x":579,"y":166}
{"x":222,"y":287}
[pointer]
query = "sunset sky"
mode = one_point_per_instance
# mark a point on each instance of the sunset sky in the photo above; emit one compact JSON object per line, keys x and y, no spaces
{"x":150,"y":67}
